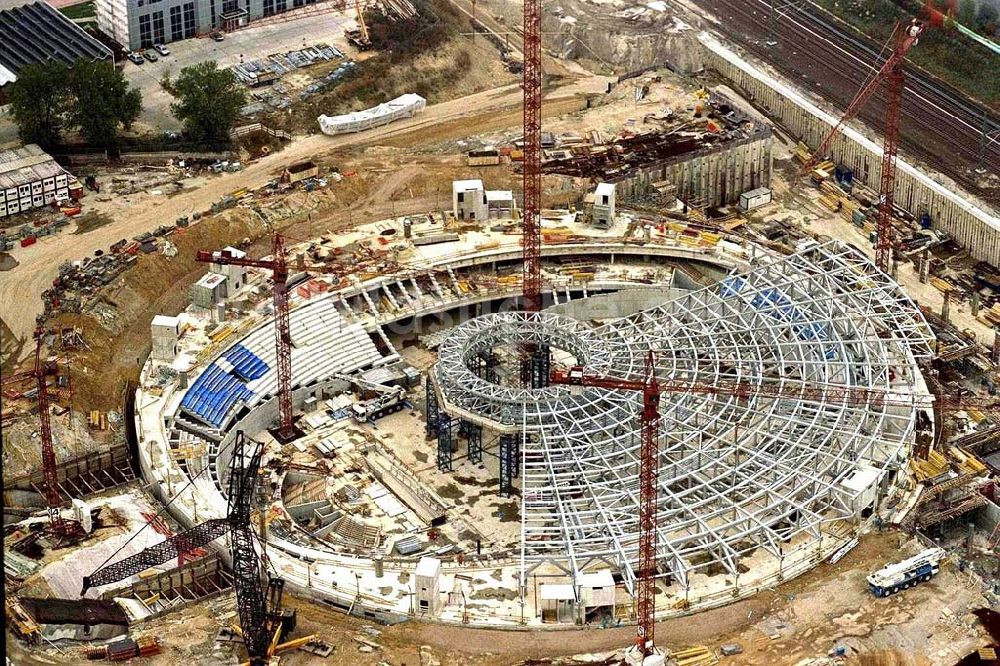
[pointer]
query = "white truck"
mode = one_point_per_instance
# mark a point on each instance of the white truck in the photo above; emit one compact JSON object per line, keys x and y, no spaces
{"x":392,"y":400}
{"x":911,"y":571}
{"x":388,"y":399}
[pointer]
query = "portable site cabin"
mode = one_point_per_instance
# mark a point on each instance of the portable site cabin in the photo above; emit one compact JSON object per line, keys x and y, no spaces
{"x":428,"y":586}
{"x":468,"y":199}
{"x":558,"y":602}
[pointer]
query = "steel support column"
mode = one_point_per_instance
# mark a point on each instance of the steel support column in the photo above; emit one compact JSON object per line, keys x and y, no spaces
{"x":446,"y":442}
{"x":431,"y":417}
{"x":508,"y":463}
{"x":474,"y":434}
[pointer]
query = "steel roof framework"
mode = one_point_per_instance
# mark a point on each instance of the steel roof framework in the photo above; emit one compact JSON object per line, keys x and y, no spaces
{"x":737,"y":472}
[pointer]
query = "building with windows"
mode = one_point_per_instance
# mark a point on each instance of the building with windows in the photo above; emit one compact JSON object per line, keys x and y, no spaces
{"x":30,"y":178}
{"x":138,"y":24}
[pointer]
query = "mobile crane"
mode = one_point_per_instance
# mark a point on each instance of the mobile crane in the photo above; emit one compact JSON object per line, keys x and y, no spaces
{"x":262,"y":623}
{"x":388,"y":399}
{"x":359,"y":35}
{"x":907,"y":573}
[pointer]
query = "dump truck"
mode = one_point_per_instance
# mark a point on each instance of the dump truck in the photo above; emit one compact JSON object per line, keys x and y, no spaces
{"x":300,"y":171}
{"x":907,"y":573}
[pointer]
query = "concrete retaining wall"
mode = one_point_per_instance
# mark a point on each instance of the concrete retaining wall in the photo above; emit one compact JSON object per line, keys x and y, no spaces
{"x":975,"y":229}
{"x":614,"y":305}
{"x":714,"y":176}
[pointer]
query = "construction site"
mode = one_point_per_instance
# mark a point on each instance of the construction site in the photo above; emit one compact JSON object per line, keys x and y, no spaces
{"x":626,"y":347}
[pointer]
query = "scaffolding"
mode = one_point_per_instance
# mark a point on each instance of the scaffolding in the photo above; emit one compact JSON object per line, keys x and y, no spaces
{"x":508,"y":463}
{"x":739,"y":472}
{"x":446,"y":441}
{"x":474,"y":436}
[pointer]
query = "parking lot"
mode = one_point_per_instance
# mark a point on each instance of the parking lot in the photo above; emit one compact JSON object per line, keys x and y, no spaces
{"x":275,"y":35}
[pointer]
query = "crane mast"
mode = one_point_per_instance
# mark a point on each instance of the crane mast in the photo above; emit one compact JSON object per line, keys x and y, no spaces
{"x":891,"y":72}
{"x":50,"y":480}
{"x":649,"y":387}
{"x":532,"y":165}
{"x":52,"y":498}
{"x":259,"y":624}
{"x":278,"y":265}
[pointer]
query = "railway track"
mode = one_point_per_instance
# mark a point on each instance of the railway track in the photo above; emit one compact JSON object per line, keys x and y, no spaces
{"x":939,"y":125}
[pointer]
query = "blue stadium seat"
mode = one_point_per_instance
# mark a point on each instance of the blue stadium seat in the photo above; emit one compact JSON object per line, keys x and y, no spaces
{"x":214,"y":393}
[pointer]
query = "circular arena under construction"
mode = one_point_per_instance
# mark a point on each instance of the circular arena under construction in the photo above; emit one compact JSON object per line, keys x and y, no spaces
{"x":437,"y":470}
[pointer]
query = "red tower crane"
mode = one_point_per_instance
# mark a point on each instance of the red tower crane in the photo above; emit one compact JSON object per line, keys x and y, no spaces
{"x":52,"y":497}
{"x":906,"y":36}
{"x":532,"y":167}
{"x":278,"y":266}
{"x":650,"y":388}
{"x":50,"y":482}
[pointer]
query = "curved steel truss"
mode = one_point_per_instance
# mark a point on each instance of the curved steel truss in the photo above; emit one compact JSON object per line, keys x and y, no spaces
{"x":738,"y":473}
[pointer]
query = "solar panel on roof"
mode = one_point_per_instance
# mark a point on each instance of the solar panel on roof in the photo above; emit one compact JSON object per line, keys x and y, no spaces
{"x":38,"y":33}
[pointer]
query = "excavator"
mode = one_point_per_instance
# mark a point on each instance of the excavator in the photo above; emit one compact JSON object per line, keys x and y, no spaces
{"x":359,"y":35}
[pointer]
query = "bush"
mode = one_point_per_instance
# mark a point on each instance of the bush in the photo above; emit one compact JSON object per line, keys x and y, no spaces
{"x":945,"y":53}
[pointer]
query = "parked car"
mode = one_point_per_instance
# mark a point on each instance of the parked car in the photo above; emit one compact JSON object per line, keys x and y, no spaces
{"x":218,"y":36}
{"x":150,"y":55}
{"x":161,"y":49}
{"x":135,"y":57}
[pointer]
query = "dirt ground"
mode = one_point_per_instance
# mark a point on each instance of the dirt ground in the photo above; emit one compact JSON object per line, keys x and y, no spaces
{"x":407,"y":168}
{"x":803,"y":619}
{"x":38,"y":264}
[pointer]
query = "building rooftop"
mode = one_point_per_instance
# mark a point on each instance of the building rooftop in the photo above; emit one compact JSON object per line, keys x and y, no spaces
{"x":465,"y":185}
{"x":557,"y":592}
{"x":165,"y":320}
{"x":211,"y":280}
{"x":37,"y":33}
{"x":25,"y":165}
{"x":602,"y":578}
{"x":428,"y":566}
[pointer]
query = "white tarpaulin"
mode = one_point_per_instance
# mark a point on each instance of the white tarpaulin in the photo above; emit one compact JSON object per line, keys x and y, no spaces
{"x":403,"y":106}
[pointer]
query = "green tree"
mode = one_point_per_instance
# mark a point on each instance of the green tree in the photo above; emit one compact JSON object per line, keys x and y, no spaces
{"x":38,"y":101}
{"x":209,"y":100}
{"x":967,"y":13}
{"x":986,"y":18}
{"x":103,"y":100}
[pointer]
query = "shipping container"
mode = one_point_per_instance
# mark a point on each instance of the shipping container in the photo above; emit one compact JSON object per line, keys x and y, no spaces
{"x":755,"y":198}
{"x":300,"y":171}
{"x":488,"y":157}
